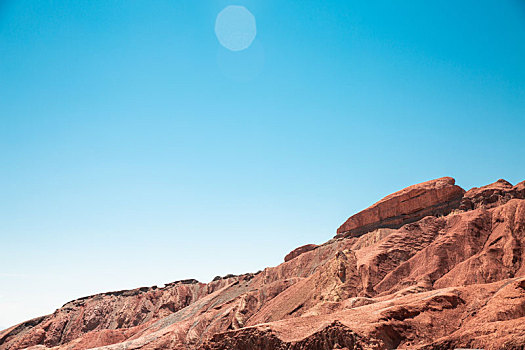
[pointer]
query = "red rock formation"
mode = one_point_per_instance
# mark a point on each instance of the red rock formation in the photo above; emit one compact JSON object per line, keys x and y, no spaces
{"x":107,"y":311}
{"x":488,"y":316}
{"x":436,"y":197}
{"x":441,"y":282}
{"x":489,"y":196}
{"x":299,"y":251}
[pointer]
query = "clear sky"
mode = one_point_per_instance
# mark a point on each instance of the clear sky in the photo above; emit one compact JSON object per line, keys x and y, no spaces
{"x":136,"y":150}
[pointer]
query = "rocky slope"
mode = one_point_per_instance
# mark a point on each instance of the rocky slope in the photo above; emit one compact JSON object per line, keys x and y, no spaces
{"x":430,"y":267}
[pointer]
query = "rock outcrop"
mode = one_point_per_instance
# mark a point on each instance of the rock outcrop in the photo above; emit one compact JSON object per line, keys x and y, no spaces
{"x":490,"y":196}
{"x":435,"y":197}
{"x":298,"y":251}
{"x":440,"y":282}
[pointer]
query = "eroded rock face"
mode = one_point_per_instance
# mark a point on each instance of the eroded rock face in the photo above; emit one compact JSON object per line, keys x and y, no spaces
{"x":435,"y":197}
{"x":334,"y":336}
{"x":441,"y":282}
{"x":490,"y":196}
{"x":107,"y":311}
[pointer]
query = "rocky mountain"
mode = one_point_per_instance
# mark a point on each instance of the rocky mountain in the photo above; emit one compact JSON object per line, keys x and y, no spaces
{"x":428,"y":267}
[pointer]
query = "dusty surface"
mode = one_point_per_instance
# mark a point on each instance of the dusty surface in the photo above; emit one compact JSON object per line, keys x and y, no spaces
{"x":440,"y":282}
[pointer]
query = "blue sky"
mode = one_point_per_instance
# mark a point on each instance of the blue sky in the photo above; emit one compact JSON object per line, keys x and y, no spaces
{"x":136,"y":150}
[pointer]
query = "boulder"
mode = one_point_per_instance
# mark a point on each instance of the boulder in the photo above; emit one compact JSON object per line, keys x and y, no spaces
{"x":298,"y":251}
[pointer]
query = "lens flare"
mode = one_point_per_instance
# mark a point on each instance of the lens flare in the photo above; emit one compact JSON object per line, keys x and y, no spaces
{"x":235,"y":28}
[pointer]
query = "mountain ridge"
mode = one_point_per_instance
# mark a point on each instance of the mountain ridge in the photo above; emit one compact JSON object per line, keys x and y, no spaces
{"x":452,"y":279}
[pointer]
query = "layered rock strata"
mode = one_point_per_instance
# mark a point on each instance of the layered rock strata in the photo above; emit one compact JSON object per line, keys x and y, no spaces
{"x":435,"y":197}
